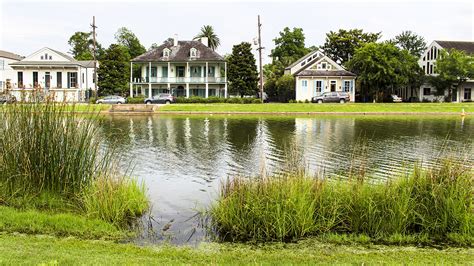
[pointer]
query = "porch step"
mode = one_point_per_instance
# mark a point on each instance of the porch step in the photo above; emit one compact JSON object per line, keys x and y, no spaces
{"x":132,"y":108}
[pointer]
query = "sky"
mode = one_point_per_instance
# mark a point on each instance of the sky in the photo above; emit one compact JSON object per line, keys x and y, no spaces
{"x":27,"y":26}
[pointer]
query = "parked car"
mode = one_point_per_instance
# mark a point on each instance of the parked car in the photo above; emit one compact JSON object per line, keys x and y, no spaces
{"x":112,"y":99}
{"x":4,"y":99}
{"x":332,"y":97}
{"x":165,"y":98}
{"x":396,"y":99}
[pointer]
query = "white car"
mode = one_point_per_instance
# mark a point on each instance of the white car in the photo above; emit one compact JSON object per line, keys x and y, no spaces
{"x":113,"y":99}
{"x":396,"y":99}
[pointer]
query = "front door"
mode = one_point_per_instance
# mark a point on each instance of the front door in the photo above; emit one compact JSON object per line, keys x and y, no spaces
{"x":333,"y":85}
{"x":454,"y":95}
{"x":47,"y":80}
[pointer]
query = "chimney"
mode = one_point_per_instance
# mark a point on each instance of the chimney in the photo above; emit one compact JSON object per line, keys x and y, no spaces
{"x":175,"y":40}
{"x":205,"y":41}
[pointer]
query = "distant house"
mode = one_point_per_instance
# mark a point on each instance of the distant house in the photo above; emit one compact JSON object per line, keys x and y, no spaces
{"x":6,"y":72}
{"x":48,"y":72}
{"x":427,"y":61}
{"x":315,"y":73}
{"x":182,"y":68}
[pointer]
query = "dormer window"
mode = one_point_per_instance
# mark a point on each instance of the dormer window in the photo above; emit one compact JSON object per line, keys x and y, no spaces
{"x":323,"y":65}
{"x":166,"y":52}
{"x":193,"y":53}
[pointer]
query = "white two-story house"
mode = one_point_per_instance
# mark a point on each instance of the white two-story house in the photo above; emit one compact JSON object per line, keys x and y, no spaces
{"x":427,"y":62}
{"x":315,"y":73}
{"x":7,"y":74}
{"x":53,"y":74}
{"x":182,"y":68}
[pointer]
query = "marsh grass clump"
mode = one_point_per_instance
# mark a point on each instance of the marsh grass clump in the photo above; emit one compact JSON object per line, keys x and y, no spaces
{"x":52,"y":158}
{"x":434,"y":204}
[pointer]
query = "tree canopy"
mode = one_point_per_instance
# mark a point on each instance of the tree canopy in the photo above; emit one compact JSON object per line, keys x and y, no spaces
{"x":82,"y":46}
{"x":114,"y":71}
{"x":453,"y":67}
{"x":410,"y":41}
{"x":242,"y":70}
{"x":383,"y":67}
{"x":129,"y":40}
{"x":340,"y":46}
{"x":289,"y":46}
{"x":208,"y":32}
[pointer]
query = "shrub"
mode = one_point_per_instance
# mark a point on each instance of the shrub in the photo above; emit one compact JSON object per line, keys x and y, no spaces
{"x":136,"y":100}
{"x":234,"y":100}
{"x":306,"y":101}
{"x":92,"y":100}
{"x":434,"y":203}
{"x":257,"y":101}
{"x":291,"y":101}
{"x":247,"y":100}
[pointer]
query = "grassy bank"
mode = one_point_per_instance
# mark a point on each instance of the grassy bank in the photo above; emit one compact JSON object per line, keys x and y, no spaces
{"x":55,"y":160}
{"x":430,"y":206}
{"x":308,"y":107}
{"x":20,"y":249}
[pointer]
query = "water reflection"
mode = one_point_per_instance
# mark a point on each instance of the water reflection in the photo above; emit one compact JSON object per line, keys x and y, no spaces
{"x":182,"y":159}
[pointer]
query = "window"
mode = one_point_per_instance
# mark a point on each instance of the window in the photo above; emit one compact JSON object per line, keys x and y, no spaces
{"x":431,"y":69}
{"x":180,"y":71}
{"x":428,"y":55}
{"x":424,"y":58}
{"x":166,"y":52}
{"x":193,"y":53}
{"x":42,"y":57}
{"x":82,"y":78}
{"x":35,"y":79}
{"x":318,"y":86}
{"x":427,"y":67}
{"x":71,"y":79}
{"x":467,"y":93}
{"x":164,"y":72}
{"x":435,"y":53}
{"x":195,"y":71}
{"x":304,"y":85}
{"x":50,"y":58}
{"x":20,"y":79}
{"x":333,"y":85}
{"x":303,"y":63}
{"x":153,"y":72}
{"x":426,"y":91}
{"x":323,"y":65}
{"x":424,"y":69}
{"x":59,"y":79}
{"x":211,"y":71}
{"x":347,"y":85}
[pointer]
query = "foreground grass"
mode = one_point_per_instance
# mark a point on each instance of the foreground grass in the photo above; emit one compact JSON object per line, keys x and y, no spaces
{"x":309,"y":107}
{"x":62,"y":224}
{"x":21,"y":249}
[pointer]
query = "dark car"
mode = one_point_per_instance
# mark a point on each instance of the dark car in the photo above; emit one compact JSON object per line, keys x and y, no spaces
{"x":165,"y":98}
{"x":4,"y":99}
{"x":332,"y":97}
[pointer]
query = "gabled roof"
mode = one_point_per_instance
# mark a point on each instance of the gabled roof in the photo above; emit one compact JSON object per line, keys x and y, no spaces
{"x":180,"y":52}
{"x":325,"y":73}
{"x":302,"y":59}
{"x":70,"y":60}
{"x":10,"y":55}
{"x":465,"y":46}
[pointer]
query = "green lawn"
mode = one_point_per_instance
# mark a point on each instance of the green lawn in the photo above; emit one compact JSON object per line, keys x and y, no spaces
{"x":309,"y":107}
{"x":23,"y":249}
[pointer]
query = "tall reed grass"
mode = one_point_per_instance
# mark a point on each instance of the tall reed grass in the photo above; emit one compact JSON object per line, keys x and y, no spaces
{"x":435,"y":203}
{"x":49,"y":151}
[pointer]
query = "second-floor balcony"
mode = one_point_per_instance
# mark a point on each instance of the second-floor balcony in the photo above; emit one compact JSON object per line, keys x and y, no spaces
{"x":190,"y":80}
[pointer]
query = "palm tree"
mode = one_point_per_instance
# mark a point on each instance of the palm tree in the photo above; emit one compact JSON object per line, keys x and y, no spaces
{"x":208,"y":31}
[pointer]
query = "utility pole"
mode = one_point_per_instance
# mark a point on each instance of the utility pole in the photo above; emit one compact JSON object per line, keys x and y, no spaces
{"x":95,"y":59}
{"x":260,"y":57}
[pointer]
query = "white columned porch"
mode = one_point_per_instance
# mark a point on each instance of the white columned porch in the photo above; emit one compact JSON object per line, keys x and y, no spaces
{"x":168,"y":77}
{"x":187,"y":90}
{"x":225,"y":79}
{"x":207,"y":84}
{"x":149,"y":80}
{"x":131,"y":79}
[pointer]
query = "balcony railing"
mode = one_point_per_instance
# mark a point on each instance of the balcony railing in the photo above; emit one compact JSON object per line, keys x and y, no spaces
{"x":181,"y":80}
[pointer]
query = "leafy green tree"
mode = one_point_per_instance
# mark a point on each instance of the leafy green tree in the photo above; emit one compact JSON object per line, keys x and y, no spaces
{"x":383,"y":67}
{"x":82,"y":46}
{"x":341,"y":46}
{"x":114,"y":71}
{"x":208,"y":32}
{"x":453,"y":67}
{"x":285,"y":86}
{"x":242,"y":70}
{"x":411,"y":42}
{"x":128,"y":39}
{"x":289,"y":46}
